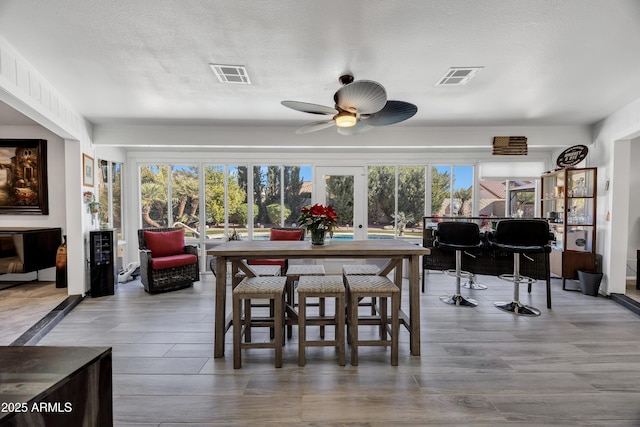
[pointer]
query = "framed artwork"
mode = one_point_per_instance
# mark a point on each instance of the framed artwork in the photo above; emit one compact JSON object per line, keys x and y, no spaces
{"x":23,"y":174}
{"x":87,"y":170}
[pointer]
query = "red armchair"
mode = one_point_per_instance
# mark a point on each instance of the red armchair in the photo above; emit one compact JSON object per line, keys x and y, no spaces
{"x":166,"y":263}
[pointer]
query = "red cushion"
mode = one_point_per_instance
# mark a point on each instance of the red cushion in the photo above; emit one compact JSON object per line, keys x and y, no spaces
{"x":286,"y":234}
{"x":165,"y":243}
{"x":173,"y":261}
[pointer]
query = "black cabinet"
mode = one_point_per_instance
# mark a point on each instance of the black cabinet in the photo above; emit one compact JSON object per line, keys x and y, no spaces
{"x":102,"y":267}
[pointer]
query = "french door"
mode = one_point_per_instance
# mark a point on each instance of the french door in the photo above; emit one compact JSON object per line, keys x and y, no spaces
{"x":344,"y":188}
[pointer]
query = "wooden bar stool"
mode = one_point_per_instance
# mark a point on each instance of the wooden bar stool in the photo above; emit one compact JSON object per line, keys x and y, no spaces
{"x":374,"y":287}
{"x":294,"y":272}
{"x":271,"y":288}
{"x":362,"y":270}
{"x":260,"y":270}
{"x":321,"y":287}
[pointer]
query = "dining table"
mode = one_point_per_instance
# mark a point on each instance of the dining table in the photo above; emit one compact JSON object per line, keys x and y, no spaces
{"x":394,"y":251}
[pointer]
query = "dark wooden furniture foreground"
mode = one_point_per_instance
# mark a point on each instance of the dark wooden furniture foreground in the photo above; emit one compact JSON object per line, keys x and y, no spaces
{"x":394,"y":250}
{"x":28,"y":249}
{"x":55,"y":386}
{"x":488,"y":261}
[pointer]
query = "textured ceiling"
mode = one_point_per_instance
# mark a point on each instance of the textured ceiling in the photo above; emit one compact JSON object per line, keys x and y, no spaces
{"x":551,"y":62}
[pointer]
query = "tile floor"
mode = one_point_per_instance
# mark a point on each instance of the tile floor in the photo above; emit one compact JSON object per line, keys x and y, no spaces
{"x":24,"y":305}
{"x":577,"y":364}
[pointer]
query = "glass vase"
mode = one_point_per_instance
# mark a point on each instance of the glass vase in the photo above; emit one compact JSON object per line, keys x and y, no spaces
{"x":317,"y":236}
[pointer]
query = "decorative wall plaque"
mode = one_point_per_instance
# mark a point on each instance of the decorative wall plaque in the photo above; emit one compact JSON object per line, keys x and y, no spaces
{"x":572,"y":156}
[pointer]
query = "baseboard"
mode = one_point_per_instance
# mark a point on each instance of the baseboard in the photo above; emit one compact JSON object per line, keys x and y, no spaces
{"x":628,"y":303}
{"x":35,"y":333}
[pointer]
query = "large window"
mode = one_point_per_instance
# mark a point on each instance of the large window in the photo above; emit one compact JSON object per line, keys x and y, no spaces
{"x":226,"y":207}
{"x":172,"y":196}
{"x":452,"y":190}
{"x":396,"y":202}
{"x":511,"y":198}
{"x":110,"y":195}
{"x":185,"y":199}
{"x":279,"y":192}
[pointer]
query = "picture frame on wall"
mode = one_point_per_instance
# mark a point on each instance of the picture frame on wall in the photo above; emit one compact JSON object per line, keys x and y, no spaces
{"x":23,"y":168}
{"x":87,"y":170}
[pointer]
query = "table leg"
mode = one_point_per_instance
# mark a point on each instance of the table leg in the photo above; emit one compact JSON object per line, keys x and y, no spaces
{"x":414,"y":303}
{"x":221,"y":311}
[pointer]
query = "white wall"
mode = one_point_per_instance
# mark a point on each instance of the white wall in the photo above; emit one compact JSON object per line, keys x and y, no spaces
{"x":56,"y":187}
{"x":611,"y":153}
{"x":24,"y":89}
{"x":634,"y":209}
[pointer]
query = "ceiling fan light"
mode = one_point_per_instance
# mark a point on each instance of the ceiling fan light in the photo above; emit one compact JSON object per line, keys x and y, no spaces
{"x":345,"y":119}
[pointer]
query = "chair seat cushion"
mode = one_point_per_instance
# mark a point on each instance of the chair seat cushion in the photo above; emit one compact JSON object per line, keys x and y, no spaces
{"x":173,"y":261}
{"x":165,"y":243}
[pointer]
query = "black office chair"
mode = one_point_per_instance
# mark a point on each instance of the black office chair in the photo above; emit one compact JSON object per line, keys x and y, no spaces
{"x":461,"y":237}
{"x":520,"y":236}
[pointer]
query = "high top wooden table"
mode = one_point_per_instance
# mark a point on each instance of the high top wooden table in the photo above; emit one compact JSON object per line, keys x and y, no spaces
{"x":237,"y":252}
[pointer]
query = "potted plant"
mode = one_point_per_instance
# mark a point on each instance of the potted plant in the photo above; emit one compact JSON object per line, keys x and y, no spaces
{"x":318,"y":220}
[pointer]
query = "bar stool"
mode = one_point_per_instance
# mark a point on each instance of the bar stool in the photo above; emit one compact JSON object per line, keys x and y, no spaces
{"x":321,"y":287}
{"x":294,"y":272}
{"x":520,"y":237}
{"x":461,"y":237}
{"x":271,"y":288}
{"x":362,"y":270}
{"x":375,"y":287}
{"x":473,"y":284}
{"x":260,"y":271}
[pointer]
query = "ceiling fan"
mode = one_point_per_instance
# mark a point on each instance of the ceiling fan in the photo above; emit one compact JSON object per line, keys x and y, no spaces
{"x":360,"y":105}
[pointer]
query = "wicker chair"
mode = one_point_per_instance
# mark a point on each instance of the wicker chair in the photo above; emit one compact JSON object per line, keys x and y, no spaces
{"x":174,"y":264}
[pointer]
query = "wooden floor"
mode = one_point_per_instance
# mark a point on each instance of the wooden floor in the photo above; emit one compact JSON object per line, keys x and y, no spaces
{"x":577,"y":364}
{"x":23,"y":305}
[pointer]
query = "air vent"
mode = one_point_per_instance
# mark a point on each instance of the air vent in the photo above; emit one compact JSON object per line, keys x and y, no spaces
{"x":510,"y":146}
{"x":236,"y":74}
{"x":457,"y":76}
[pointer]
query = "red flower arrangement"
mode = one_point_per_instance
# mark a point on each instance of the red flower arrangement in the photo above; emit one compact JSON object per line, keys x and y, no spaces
{"x":318,"y":217}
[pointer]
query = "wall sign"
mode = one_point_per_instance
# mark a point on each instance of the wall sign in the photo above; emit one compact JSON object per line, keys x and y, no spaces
{"x":572,"y":156}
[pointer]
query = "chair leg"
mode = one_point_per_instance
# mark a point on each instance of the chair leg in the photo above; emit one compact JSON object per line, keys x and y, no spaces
{"x":384,"y":321}
{"x":515,"y":306}
{"x":237,"y":333}
{"x":279,"y":329}
{"x":247,"y":320}
{"x":340,"y":321}
{"x":321,"y":312}
{"x":302,"y":329}
{"x":353,"y":333}
{"x":457,"y":298}
{"x":395,"y":328}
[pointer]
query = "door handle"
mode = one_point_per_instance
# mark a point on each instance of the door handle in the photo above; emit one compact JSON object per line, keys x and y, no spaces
{"x":360,"y":226}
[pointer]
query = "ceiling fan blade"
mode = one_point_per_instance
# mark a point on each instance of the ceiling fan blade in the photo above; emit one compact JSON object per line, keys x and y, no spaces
{"x":316,"y":126}
{"x":307,"y":107}
{"x":355,"y":130}
{"x":393,"y":112}
{"x":361,"y":96}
